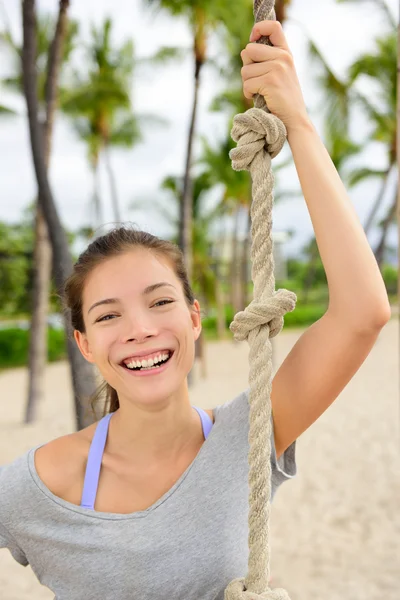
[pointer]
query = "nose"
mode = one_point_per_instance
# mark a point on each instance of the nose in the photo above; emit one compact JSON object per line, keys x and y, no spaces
{"x":138,"y":327}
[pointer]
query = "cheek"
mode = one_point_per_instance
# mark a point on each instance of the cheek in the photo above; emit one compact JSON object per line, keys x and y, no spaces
{"x":100,"y":342}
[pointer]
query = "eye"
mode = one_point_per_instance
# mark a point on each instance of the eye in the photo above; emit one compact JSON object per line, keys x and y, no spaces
{"x":104,"y":318}
{"x":160,"y":302}
{"x":167,"y":301}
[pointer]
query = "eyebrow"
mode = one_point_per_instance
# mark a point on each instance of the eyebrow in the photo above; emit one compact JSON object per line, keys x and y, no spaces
{"x":148,"y":290}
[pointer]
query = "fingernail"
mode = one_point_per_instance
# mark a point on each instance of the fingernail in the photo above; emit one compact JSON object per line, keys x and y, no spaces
{"x":253,"y":35}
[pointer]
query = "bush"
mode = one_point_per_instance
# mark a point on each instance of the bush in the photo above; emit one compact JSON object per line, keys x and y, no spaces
{"x":14,"y":346}
{"x":390,"y":275}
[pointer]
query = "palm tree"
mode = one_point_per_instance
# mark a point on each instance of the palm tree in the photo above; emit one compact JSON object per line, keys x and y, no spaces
{"x":83,"y":380}
{"x":100,"y":107}
{"x":384,"y":121}
{"x":51,"y":56}
{"x":340,"y":96}
{"x":203,"y":16}
{"x":381,"y":66}
{"x":335,"y":108}
{"x":205,"y":267}
{"x":237,"y":185}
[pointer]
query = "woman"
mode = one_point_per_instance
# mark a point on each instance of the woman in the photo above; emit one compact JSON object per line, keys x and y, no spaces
{"x":152,"y":500}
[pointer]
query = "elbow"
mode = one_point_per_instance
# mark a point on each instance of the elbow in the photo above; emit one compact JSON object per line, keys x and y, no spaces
{"x":377,"y":319}
{"x":366,"y":322}
{"x":384,"y":315}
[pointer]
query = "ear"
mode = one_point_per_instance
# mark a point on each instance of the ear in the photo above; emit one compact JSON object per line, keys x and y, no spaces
{"x":83,"y":345}
{"x":196,"y":319}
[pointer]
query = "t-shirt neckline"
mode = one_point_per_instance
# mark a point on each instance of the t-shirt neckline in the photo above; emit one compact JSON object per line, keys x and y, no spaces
{"x":93,"y":514}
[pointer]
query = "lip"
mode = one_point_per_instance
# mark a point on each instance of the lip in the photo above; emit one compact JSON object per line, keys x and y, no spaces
{"x":146,"y":353}
{"x":150,"y":372}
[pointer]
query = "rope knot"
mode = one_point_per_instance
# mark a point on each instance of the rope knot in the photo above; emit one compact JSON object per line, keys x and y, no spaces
{"x":255,"y":131}
{"x":268,"y":311}
{"x":236,"y":591}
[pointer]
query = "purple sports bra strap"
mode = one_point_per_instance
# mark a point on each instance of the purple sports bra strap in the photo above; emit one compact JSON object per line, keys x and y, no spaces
{"x":206,"y":422}
{"x":96,"y":454}
{"x":94,"y":462}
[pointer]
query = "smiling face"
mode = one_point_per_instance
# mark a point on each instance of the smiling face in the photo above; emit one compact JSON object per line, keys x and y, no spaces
{"x":136,"y":322}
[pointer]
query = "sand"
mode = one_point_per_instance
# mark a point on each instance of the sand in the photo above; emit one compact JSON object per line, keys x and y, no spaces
{"x":335,"y":528}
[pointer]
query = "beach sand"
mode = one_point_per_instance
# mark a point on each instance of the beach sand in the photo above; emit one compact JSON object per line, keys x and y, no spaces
{"x":335,"y":528}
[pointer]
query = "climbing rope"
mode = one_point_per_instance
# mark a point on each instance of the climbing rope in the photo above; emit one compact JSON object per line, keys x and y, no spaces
{"x":260,"y":136}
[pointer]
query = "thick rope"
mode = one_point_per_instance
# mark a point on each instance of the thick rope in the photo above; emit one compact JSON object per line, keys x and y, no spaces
{"x":260,"y":136}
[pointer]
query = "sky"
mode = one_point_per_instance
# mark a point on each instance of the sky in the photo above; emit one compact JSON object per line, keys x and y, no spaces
{"x":342,"y":31}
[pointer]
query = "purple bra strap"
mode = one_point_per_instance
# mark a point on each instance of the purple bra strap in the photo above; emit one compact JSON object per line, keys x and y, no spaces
{"x":206,"y":422}
{"x":96,"y":454}
{"x":94,"y":462}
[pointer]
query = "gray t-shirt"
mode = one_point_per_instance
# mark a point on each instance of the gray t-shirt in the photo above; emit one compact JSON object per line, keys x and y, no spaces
{"x":188,"y":545}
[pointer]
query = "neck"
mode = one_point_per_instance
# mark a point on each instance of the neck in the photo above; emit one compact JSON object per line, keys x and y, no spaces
{"x":154,"y":433}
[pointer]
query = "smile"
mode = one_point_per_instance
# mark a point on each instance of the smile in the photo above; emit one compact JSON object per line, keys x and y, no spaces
{"x":147,"y":371}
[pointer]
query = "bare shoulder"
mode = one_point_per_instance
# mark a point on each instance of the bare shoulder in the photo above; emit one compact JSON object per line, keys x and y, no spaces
{"x":62,"y":461}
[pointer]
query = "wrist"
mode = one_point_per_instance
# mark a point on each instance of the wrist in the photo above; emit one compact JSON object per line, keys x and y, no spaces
{"x":302,"y":124}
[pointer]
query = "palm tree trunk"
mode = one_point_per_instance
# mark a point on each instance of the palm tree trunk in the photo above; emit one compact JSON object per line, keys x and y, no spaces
{"x":280,"y":9}
{"x":113,"y":185}
{"x":378,"y":201}
{"x":83,"y":379}
{"x":186,"y":207}
{"x":380,"y":249}
{"x":37,"y":354}
{"x":97,"y":206}
{"x":219,"y":291}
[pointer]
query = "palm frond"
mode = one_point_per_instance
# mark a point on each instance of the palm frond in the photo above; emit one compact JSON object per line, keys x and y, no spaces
{"x":336,"y":92}
{"x":6,"y":111}
{"x":125,"y":132}
{"x":167,"y":54}
{"x":149,"y":120}
{"x":361,"y":174}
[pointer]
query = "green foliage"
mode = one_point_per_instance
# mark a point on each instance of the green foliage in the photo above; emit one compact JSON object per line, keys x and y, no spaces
{"x":390,"y":277}
{"x":304,"y":316}
{"x":297,"y":273}
{"x":97,"y":97}
{"x":46,"y":24}
{"x":14,"y":346}
{"x":16,"y":267}
{"x":16,"y":254}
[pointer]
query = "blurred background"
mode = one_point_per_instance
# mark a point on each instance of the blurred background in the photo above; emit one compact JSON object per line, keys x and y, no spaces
{"x":136,"y":112}
{"x":141,"y":84}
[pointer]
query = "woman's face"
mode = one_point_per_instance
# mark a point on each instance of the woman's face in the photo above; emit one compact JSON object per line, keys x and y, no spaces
{"x":134,"y":321}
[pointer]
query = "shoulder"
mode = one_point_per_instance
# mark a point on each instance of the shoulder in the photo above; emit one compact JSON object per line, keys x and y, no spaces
{"x":235,"y":409}
{"x":62,"y":461}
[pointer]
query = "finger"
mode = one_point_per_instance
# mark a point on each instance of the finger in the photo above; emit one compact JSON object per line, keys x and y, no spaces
{"x":257,"y":53}
{"x":246,"y":59}
{"x":256,"y":70}
{"x":272,"y":29}
{"x":253,"y":86}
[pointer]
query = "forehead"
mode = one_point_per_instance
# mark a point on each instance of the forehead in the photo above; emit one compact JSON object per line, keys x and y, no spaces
{"x":127,"y":274}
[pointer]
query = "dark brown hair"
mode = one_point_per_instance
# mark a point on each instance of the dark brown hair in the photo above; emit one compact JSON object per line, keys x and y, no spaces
{"x":114,"y":243}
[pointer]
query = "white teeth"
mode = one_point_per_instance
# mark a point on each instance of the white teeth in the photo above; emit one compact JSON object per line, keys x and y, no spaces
{"x":147,"y":363}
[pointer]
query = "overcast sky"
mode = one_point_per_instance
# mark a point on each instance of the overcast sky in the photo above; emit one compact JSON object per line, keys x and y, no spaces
{"x":342,"y":32}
